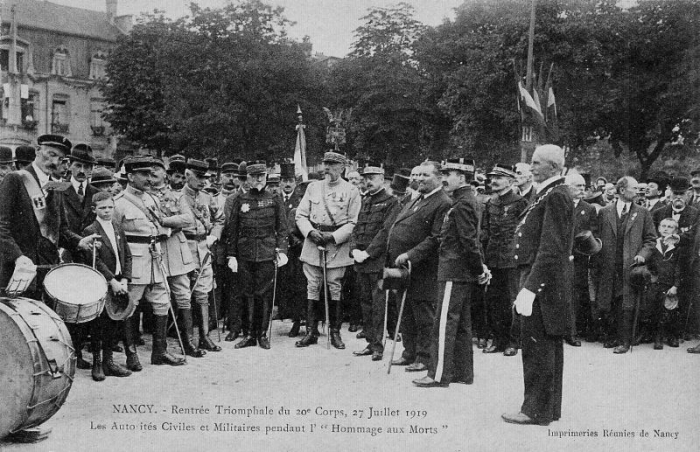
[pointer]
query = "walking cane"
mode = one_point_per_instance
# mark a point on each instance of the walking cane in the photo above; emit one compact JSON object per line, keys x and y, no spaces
{"x":398,"y":322}
{"x":322,"y":251}
{"x":385,"y":332}
{"x":687,"y":320}
{"x":274,"y":293}
{"x":170,"y":305}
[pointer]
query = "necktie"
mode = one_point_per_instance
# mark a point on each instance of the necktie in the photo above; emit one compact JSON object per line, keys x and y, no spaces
{"x":624,"y":211}
{"x":418,"y":200}
{"x":81,"y":192}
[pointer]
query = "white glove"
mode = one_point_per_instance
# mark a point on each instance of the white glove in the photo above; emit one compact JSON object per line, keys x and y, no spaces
{"x":523,"y":302}
{"x":360,"y":256}
{"x":485,"y":277}
{"x":233,"y":264}
{"x":282,"y":259}
{"x":211,"y":240}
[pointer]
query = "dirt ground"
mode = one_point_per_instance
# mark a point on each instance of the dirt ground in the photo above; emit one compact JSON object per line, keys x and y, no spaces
{"x":289,"y":399}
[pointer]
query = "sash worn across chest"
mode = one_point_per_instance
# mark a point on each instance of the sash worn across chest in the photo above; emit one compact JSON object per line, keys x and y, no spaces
{"x":36,"y":194}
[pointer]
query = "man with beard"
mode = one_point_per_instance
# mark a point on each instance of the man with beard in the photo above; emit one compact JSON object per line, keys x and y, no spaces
{"x":176,"y":172}
{"x":413,"y":192}
{"x":176,"y":254}
{"x":368,"y":243}
{"x":32,"y":226}
{"x":257,"y":242}
{"x":414,"y":238}
{"x":326,"y":217}
{"x":523,"y":181}
{"x":460,"y":266}
{"x":201,"y":236}
{"x":500,"y":218}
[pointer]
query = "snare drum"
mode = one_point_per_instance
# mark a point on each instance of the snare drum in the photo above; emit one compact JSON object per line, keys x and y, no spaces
{"x":37,"y":364}
{"x":77,"y":290}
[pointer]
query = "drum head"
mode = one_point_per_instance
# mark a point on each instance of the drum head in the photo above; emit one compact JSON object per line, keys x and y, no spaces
{"x":16,"y":372}
{"x":75,"y":284}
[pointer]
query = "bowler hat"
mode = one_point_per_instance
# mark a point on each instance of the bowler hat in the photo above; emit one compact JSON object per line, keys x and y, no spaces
{"x":82,"y":153}
{"x":6,"y":156}
{"x":102,"y":176}
{"x":198,"y":167}
{"x":57,"y":142}
{"x":640,"y":276}
{"x":679,"y":184}
{"x":25,"y":154}
{"x":586,"y":244}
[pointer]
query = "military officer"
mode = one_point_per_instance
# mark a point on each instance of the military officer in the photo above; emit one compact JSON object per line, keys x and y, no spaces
{"x":368,"y":244}
{"x":326,"y":216}
{"x":209,"y":222}
{"x":176,"y":171}
{"x":257,"y":242}
{"x":138,"y":215}
{"x":177,"y":257}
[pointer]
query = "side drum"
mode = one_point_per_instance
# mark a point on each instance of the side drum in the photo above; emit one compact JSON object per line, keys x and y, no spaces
{"x":78,"y":292}
{"x":37,"y":364}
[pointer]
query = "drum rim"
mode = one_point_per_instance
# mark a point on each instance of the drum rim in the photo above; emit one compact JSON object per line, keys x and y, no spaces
{"x":74,"y":264}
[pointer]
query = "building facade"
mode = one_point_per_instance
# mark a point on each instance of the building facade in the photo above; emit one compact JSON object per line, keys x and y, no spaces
{"x":52,"y":65}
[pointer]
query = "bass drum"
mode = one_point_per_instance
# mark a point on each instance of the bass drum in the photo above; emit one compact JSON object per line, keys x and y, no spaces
{"x":37,"y":364}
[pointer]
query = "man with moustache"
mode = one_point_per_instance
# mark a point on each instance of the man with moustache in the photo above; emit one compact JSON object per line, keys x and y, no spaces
{"x":257,"y":242}
{"x":32,"y":225}
{"x":524,"y":181}
{"x":414,"y":237}
{"x":544,"y":240}
{"x":694,"y":199}
{"x":176,"y":172}
{"x":656,"y":186}
{"x":628,"y":235}
{"x":500,"y":218}
{"x":368,"y":244}
{"x":201,"y":236}
{"x":460,"y":267}
{"x":326,"y":217}
{"x":585,"y":219}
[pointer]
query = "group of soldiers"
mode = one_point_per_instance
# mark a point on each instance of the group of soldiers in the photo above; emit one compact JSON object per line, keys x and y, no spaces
{"x":434,"y":251}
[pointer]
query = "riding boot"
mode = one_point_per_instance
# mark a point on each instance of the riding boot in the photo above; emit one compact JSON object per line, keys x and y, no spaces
{"x":109,"y":367}
{"x":336,"y":341}
{"x":132,"y":356}
{"x":294,"y":332}
{"x":185,"y":324}
{"x":159,"y":353}
{"x":204,"y":341}
{"x":311,"y":327}
{"x":97,"y":373}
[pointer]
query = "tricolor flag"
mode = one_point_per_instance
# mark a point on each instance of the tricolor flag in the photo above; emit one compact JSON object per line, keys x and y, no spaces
{"x":300,"y":168}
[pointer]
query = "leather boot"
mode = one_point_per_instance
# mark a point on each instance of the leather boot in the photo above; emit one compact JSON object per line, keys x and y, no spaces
{"x":336,"y":341}
{"x":204,"y":341}
{"x":132,"y":356}
{"x":97,"y":373}
{"x":294,"y":332}
{"x":248,"y":341}
{"x":185,"y":323}
{"x":625,"y":332}
{"x":159,"y":354}
{"x":81,"y":363}
{"x":109,"y":367}
{"x":311,"y":335}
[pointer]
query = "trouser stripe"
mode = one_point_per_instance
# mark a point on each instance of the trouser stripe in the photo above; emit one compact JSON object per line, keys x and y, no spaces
{"x":443,"y":326}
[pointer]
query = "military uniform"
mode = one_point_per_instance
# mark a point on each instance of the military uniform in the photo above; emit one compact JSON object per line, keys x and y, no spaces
{"x":137,"y":213}
{"x":208,"y":221}
{"x":257,"y":232}
{"x":500,"y":219}
{"x":329,"y":208}
{"x":376,"y":216}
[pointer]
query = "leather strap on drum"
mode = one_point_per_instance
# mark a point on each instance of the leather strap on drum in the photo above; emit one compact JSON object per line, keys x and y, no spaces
{"x":36,"y":194}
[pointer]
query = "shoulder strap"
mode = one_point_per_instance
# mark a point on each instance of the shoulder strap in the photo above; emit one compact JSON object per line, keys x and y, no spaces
{"x":36,"y":194}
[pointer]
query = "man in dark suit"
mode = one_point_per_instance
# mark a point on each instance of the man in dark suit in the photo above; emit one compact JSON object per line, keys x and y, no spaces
{"x":524,"y":181}
{"x":414,"y":237}
{"x":694,"y":198}
{"x":76,"y":196}
{"x":585,"y":219}
{"x":114,"y":263}
{"x":656,"y":186}
{"x":32,"y":226}
{"x":544,"y":239}
{"x":628,"y":235}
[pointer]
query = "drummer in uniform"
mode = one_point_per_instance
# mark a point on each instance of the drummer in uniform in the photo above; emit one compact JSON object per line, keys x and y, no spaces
{"x":138,"y":215}
{"x":177,"y":257}
{"x":201,"y":236}
{"x":326,"y":216}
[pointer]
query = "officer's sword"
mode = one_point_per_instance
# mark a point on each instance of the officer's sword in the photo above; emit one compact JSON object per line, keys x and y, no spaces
{"x":156,"y":254}
{"x":322,"y":251}
{"x":274,"y":294}
{"x":398,"y":322}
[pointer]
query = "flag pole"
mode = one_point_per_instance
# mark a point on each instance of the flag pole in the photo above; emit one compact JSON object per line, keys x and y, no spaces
{"x":530,"y":57}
